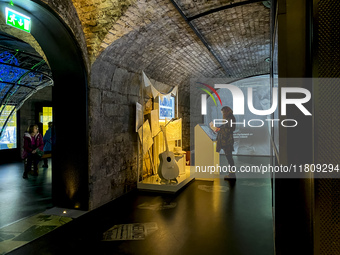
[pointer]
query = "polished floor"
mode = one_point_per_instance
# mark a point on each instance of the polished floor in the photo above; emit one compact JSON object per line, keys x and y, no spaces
{"x":206,"y":217}
{"x":20,"y":198}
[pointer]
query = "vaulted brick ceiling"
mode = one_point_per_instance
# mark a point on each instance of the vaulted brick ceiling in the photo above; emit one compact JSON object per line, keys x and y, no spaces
{"x":169,"y":40}
{"x":159,"y":37}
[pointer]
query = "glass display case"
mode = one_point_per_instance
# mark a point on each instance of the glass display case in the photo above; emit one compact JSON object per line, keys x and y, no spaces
{"x":162,"y":165}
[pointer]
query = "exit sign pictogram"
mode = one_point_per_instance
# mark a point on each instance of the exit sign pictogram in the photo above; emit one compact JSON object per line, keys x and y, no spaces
{"x":18,"y":20}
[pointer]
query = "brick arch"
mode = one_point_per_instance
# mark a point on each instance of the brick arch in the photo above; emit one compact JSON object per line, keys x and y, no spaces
{"x":97,"y":18}
{"x":69,"y":14}
{"x":138,"y":15}
{"x":70,"y":165}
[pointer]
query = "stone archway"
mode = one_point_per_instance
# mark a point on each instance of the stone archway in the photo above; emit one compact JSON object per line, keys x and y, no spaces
{"x":70,"y":157}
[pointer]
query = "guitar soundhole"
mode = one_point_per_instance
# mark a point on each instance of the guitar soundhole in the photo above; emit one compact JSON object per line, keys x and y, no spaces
{"x":168,"y":159}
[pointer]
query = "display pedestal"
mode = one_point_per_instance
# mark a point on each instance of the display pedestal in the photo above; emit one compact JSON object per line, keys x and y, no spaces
{"x":205,"y":153}
{"x":152,"y":183}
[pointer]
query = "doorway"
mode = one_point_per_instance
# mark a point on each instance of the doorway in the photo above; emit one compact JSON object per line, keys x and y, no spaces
{"x":70,"y":175}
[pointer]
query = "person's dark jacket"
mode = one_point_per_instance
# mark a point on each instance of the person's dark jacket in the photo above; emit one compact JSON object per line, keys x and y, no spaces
{"x":225,"y":139}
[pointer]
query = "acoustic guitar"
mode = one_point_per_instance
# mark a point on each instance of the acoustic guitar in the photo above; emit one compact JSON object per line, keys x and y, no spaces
{"x":168,"y":169}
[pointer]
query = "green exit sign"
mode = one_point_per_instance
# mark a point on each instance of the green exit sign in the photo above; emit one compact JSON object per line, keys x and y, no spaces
{"x":18,"y":20}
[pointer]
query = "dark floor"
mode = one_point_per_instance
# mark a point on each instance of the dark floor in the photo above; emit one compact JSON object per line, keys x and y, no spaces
{"x":20,"y":198}
{"x":204,"y":218}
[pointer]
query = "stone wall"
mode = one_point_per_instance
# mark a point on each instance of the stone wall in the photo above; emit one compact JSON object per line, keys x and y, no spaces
{"x":97,"y":17}
{"x":113,"y":151}
{"x":113,"y":142}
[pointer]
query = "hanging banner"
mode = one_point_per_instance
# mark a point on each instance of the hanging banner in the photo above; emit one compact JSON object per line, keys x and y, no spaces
{"x":174,"y":130}
{"x":173,"y":92}
{"x":151,"y":91}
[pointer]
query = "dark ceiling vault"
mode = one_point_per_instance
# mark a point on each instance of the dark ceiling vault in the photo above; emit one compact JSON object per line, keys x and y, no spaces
{"x":172,"y":42}
{"x":197,"y":31}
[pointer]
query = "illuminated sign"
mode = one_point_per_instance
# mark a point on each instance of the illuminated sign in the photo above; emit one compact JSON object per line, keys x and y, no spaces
{"x":18,"y":20}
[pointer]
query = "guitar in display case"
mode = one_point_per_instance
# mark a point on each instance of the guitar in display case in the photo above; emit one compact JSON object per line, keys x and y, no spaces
{"x":168,"y":169}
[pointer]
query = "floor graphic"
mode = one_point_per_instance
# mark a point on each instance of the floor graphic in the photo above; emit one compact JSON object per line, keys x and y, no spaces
{"x":134,"y":231}
{"x":24,"y":231}
{"x":157,"y":206}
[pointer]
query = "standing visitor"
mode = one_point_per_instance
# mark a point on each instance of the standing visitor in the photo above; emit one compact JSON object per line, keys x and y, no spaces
{"x":225,"y":138}
{"x":33,"y":150}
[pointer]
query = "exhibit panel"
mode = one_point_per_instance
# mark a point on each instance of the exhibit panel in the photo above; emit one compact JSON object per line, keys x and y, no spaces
{"x":252,"y":131}
{"x":249,"y":101}
{"x":206,"y":157}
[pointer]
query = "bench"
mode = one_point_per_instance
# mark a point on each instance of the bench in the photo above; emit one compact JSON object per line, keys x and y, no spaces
{"x":47,"y":155}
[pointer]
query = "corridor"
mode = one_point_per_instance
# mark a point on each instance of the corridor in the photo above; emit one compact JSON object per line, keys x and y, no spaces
{"x":20,"y":198}
{"x":206,"y":217}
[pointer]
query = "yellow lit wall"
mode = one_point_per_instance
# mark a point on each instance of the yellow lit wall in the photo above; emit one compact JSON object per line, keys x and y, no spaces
{"x":46,"y":118}
{"x":8,"y":139}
